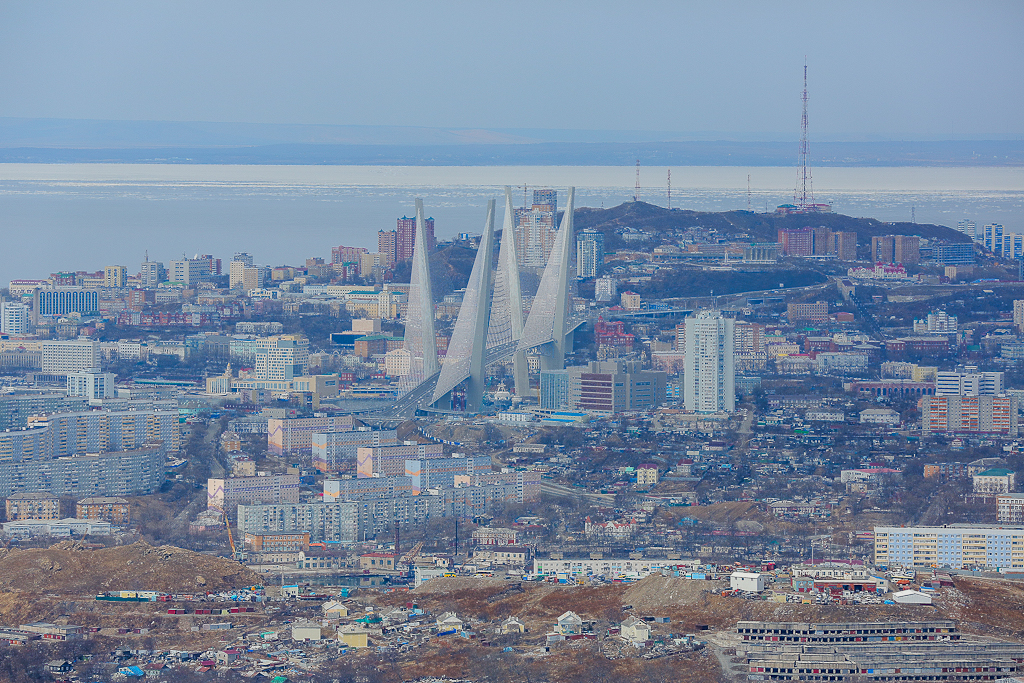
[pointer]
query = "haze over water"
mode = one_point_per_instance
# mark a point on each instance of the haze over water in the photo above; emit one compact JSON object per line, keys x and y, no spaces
{"x":86,"y":216}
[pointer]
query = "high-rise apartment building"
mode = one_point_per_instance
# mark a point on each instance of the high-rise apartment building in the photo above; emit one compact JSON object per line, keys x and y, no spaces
{"x":535,"y":229}
{"x":125,"y":473}
{"x":282,"y":357}
{"x":236,"y":274}
{"x":14,"y":318}
{"x":992,"y":235}
{"x":969,"y":415}
{"x":844,"y":245}
{"x":883,"y":249}
{"x":605,"y":289}
{"x":333,"y":450}
{"x":1018,"y":314}
{"x":589,"y":253}
{"x":387,"y":247}
{"x":709,"y":374}
{"x":748,"y":338}
{"x":906,"y":249}
{"x":1011,"y":246}
{"x":797,"y":242}
{"x":343,"y":254}
{"x":225,"y":494}
{"x":405,"y":237}
{"x":254,"y":277}
{"x":63,"y":357}
{"x":968,"y":228}
{"x":115,"y":276}
{"x":295,"y":435}
{"x":152,"y":274}
{"x":242,"y":257}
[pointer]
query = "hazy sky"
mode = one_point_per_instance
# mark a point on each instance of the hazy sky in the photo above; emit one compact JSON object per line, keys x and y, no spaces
{"x":889,"y":69}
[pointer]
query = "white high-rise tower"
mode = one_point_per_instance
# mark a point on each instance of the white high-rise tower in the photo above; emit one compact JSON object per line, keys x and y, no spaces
{"x":709,"y":377}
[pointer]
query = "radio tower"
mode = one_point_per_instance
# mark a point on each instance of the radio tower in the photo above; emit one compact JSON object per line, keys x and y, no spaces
{"x":636,"y":196}
{"x":805,"y":189}
{"x":670,"y":189}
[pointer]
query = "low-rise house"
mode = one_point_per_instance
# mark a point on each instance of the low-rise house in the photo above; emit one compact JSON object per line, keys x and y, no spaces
{"x":512,"y":625}
{"x":351,"y":637}
{"x":449,"y":621}
{"x":305,"y":631}
{"x":747,"y":581}
{"x":996,"y":480}
{"x":569,"y":624}
{"x":635,"y":630}
{"x":334,"y":610}
{"x":377,"y":561}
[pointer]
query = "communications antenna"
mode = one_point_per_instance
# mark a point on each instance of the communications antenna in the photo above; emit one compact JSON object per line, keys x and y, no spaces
{"x":526,"y":197}
{"x":636,"y":196}
{"x":913,"y":215}
{"x":748,"y":192}
{"x":670,"y":189}
{"x":805,"y":190}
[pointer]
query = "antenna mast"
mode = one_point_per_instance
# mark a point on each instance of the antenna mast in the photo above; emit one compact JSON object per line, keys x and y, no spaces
{"x":805,"y":191}
{"x":748,"y":192}
{"x":670,"y":189}
{"x":636,"y":196}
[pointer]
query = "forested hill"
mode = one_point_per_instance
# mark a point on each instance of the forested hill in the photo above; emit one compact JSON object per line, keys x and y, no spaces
{"x":757,"y":227}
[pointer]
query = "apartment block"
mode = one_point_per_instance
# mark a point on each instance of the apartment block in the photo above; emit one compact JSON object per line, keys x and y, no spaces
{"x":816,"y":312}
{"x":63,"y":357}
{"x":614,"y":387}
{"x":100,"y":431}
{"x":117,"y":511}
{"x":15,"y":409}
{"x":797,"y":242}
{"x":295,"y":435}
{"x":91,"y":384}
{"x":332,"y":450}
{"x":324,"y":522}
{"x":432,"y":473}
{"x":995,"y":415}
{"x":844,"y":245}
{"x":126,"y":473}
{"x":22,"y":506}
{"x":367,"y":487}
{"x":969,"y":383}
{"x":277,"y":543}
{"x":954,"y":546}
{"x":389,"y":461}
{"x":225,"y":494}
{"x":1010,"y":508}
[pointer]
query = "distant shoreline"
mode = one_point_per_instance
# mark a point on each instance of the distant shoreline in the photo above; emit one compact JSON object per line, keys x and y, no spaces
{"x":948,"y":154}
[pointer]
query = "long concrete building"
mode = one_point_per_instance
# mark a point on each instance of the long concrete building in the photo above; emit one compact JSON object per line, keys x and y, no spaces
{"x":295,"y":435}
{"x":124,"y":473}
{"x":225,"y":494}
{"x":331,"y":450}
{"x":959,"y":546}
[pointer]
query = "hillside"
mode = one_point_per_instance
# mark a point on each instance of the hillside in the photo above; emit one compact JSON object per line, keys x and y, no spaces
{"x":69,"y":568}
{"x":758,"y":227}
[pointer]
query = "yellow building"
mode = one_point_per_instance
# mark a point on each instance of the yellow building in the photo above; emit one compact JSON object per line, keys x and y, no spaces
{"x":353,"y":638}
{"x":22,"y":506}
{"x":115,"y":276}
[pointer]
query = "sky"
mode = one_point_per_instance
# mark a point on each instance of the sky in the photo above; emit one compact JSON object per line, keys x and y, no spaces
{"x":877,"y":70}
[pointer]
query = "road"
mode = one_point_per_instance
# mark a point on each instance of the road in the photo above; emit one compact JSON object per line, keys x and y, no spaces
{"x":560,"y":491}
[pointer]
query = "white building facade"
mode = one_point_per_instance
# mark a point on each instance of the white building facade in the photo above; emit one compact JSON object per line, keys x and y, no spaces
{"x":709,"y":375}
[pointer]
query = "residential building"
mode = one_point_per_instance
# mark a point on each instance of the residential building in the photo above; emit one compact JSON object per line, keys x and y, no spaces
{"x":91,"y":384}
{"x":366,"y":488}
{"x":295,"y":435}
{"x":389,"y":461}
{"x":57,"y":301}
{"x":844,"y":245}
{"x":65,"y":357}
{"x":709,"y":374}
{"x":115,"y":276}
{"x":605,"y":289}
{"x":22,"y":506}
{"x":906,"y":249}
{"x":969,"y":415}
{"x":955,"y":546}
{"x":377,"y":561}
{"x":613,"y":387}
{"x":224,"y":494}
{"x":1018,"y":315}
{"x":954,"y":254}
{"x":816,"y":312}
{"x":937,"y":322}
{"x":968,"y":228}
{"x":332,"y":450}
{"x":117,"y":511}
{"x":125,"y":473}
{"x":276,"y":543}
{"x":1010,"y":508}
{"x":630,"y":301}
{"x":324,"y":522}
{"x":996,"y":480}
{"x":405,"y":237}
{"x":281,"y":357}
{"x":15,"y":409}
{"x":60,"y":528}
{"x":97,"y":431}
{"x":555,"y":390}
{"x":797,"y":242}
{"x":342,"y":255}
{"x":535,"y":229}
{"x":14,"y":318}
{"x":152,"y":273}
{"x":387,"y":246}
{"x":647,"y":475}
{"x":433,"y":473}
{"x":992,"y":236}
{"x":589,"y":253}
{"x":879,"y":416}
{"x":236,"y":274}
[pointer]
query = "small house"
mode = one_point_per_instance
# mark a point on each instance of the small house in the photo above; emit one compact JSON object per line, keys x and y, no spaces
{"x":512,"y":625}
{"x":746,"y":581}
{"x":449,"y":621}
{"x":636,"y":631}
{"x":334,"y":610}
{"x":569,"y":624}
{"x":306,"y":631}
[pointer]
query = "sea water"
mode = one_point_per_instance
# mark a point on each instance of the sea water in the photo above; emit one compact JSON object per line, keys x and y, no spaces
{"x":86,"y":216}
